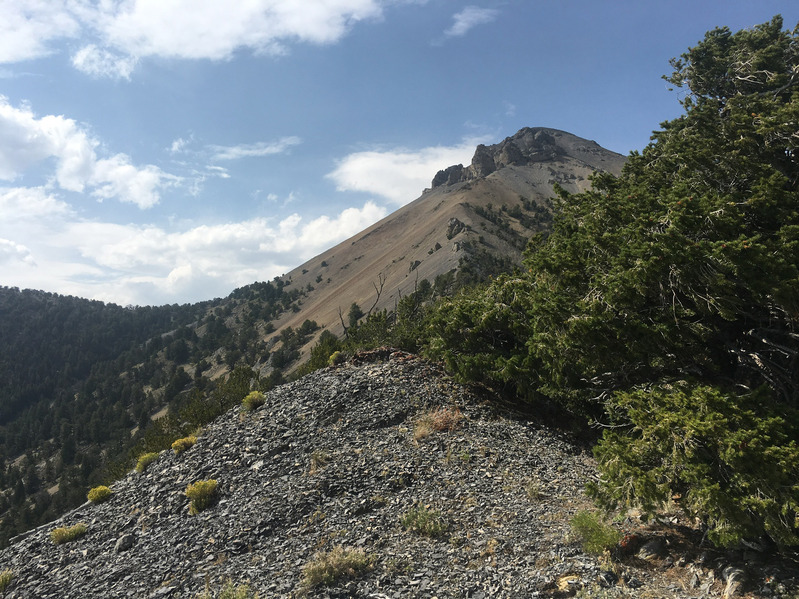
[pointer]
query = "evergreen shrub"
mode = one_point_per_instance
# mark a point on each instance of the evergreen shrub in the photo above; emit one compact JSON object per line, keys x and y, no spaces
{"x":253,"y":401}
{"x":6,"y":576}
{"x":596,"y":536}
{"x":424,"y":521}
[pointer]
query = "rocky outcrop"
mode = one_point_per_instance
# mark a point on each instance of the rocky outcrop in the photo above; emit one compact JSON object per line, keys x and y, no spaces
{"x":527,"y":146}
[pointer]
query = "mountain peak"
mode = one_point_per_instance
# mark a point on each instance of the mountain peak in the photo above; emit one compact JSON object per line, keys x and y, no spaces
{"x":528,"y":145}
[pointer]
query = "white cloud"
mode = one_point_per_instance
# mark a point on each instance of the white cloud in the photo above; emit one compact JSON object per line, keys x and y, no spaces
{"x":179,"y":145}
{"x":26,"y":28}
{"x":14,"y":252}
{"x":147,"y":264}
{"x":218,"y":171}
{"x":468,"y":18}
{"x":399,"y":175}
{"x":116,"y":177}
{"x":216,"y":30}
{"x":259,"y":149}
{"x":99,"y":62}
{"x":24,"y":203}
{"x":126,"y":30}
{"x":117,"y":33}
{"x":27,"y":141}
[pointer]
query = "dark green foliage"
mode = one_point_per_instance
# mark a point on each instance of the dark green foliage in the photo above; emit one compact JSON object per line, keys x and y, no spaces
{"x":731,"y":459}
{"x":354,"y":315}
{"x":326,"y":346}
{"x":681,"y":273}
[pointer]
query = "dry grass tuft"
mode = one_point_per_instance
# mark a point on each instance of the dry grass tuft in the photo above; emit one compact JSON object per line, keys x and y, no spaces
{"x":99,"y":494}
{"x":440,"y":420}
{"x":65,"y":535}
{"x":183,"y":444}
{"x":326,"y":568}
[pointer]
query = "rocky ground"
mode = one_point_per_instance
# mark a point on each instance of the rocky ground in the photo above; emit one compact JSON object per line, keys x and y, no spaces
{"x":343,"y":458}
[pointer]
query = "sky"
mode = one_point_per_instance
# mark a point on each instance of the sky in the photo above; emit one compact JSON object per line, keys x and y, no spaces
{"x":169,"y":151}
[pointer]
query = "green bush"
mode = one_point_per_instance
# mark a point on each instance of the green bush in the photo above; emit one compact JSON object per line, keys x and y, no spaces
{"x":329,"y":567}
{"x":183,"y":444}
{"x":732,"y":460}
{"x":253,"y":401}
{"x":64,"y":535}
{"x":596,"y":536}
{"x":201,"y":495}
{"x":99,"y":494}
{"x":424,"y":521}
{"x":145,"y":460}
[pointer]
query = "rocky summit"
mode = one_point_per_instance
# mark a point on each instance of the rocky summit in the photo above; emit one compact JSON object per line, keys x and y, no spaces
{"x":434,"y":489}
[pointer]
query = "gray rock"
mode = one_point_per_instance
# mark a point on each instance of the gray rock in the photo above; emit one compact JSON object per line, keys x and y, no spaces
{"x":734,"y":578}
{"x":653,"y":549}
{"x":124,"y":543}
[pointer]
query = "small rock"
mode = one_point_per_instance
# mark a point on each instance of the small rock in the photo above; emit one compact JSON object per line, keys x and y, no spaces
{"x":735,"y":578}
{"x":607,"y":578}
{"x":124,"y":543}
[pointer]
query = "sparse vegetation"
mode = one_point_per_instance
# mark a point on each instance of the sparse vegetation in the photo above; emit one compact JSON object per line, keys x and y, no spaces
{"x":336,"y":358}
{"x":183,"y":444}
{"x":6,"y":576}
{"x":595,"y":535}
{"x":63,"y":534}
{"x":145,"y":460}
{"x":201,"y":494}
{"x":533,"y":489}
{"x":441,"y":420}
{"x":99,"y":494}
{"x":229,"y":591}
{"x":253,"y":401}
{"x":424,"y":521}
{"x":327,"y":568}
{"x":319,"y":460}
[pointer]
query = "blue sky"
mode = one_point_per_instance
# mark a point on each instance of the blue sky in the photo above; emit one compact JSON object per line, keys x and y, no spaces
{"x":169,"y":151}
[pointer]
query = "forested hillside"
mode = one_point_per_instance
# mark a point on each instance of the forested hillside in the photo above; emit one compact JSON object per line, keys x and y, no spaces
{"x":84,"y":380}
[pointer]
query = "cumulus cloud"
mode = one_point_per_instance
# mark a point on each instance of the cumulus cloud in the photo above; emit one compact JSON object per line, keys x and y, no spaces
{"x":27,"y":28}
{"x":216,"y":30}
{"x":148,"y":264}
{"x":469,"y":18}
{"x":253,"y":150}
{"x":126,"y":30}
{"x":399,"y":175}
{"x":27,"y":141}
